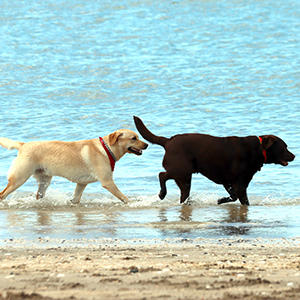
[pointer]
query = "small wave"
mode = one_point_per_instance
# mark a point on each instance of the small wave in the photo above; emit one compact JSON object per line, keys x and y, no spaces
{"x":59,"y":199}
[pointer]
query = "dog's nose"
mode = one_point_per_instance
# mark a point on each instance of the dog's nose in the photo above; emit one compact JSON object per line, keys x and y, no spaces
{"x":290,"y":156}
{"x":293,"y":156}
{"x":145,"y":145}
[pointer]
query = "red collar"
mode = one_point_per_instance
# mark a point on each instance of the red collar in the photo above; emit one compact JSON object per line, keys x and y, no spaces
{"x":264,"y":152}
{"x":109,"y":153}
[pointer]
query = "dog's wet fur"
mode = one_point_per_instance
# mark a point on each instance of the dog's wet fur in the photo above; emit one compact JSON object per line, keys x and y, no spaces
{"x":230,"y":161}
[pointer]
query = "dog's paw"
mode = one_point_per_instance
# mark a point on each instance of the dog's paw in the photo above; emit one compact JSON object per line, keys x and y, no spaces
{"x":125,"y":200}
{"x":222,"y":200}
{"x":74,"y":201}
{"x":225,"y":200}
{"x":162,"y":195}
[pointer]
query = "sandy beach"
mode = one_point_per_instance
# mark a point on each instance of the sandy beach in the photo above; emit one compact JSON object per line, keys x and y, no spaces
{"x":217,"y":269}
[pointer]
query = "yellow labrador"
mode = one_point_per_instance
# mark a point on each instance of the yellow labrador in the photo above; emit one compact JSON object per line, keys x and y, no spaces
{"x":82,"y":162}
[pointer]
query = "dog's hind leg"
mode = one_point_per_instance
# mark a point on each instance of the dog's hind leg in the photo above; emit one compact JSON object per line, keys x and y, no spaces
{"x":78,"y":193}
{"x":18,"y":175}
{"x":163,"y":177}
{"x":43,"y":182}
{"x":8,"y":189}
{"x":184,"y":184}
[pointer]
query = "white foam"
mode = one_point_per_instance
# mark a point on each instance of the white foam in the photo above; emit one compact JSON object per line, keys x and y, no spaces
{"x":56,"y":198}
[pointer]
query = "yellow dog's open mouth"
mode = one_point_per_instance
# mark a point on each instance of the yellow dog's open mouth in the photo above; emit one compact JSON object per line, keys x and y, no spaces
{"x":135,"y":151}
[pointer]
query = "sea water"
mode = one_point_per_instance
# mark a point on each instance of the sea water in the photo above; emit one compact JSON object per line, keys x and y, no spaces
{"x":74,"y":70}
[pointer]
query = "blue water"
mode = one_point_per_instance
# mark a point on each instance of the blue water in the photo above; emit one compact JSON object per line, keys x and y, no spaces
{"x":75,"y":70}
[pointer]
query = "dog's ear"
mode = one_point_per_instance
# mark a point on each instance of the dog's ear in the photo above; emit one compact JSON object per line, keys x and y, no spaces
{"x":113,"y":137}
{"x":268,"y":141}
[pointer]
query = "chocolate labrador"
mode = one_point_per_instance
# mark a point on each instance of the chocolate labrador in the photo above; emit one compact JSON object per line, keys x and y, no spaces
{"x":230,"y":161}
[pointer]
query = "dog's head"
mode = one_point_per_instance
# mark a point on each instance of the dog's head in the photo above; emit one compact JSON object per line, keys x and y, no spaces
{"x":276,"y":150}
{"x":127,"y":141}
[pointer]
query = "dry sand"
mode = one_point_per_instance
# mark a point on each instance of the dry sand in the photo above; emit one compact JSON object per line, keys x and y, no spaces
{"x":221,"y":269}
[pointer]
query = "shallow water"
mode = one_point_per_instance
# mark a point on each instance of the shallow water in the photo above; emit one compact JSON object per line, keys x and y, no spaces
{"x":184,"y":222}
{"x":81,"y":69}
{"x":148,"y":220}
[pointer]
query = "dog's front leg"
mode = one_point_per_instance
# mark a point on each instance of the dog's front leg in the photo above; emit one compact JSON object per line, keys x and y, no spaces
{"x":231,"y":192}
{"x":78,"y":193}
{"x":111,"y":187}
{"x":226,"y":200}
{"x":105,"y":176}
{"x":108,"y":183}
{"x":242,"y":195}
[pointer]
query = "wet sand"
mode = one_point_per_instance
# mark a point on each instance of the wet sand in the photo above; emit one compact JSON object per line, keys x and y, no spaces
{"x":207,"y":269}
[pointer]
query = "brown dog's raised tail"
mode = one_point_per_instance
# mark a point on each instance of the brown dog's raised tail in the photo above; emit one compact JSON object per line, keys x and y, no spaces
{"x":148,"y":135}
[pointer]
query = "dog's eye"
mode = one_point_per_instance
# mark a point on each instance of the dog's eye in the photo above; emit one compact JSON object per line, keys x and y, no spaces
{"x":134,"y":138}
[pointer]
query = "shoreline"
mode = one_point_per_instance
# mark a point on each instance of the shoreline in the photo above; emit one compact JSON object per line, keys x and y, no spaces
{"x":203,"y":269}
{"x":44,"y":242}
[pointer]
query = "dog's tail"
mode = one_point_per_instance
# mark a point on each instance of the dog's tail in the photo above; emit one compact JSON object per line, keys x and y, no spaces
{"x":148,"y":135}
{"x":10,"y":144}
